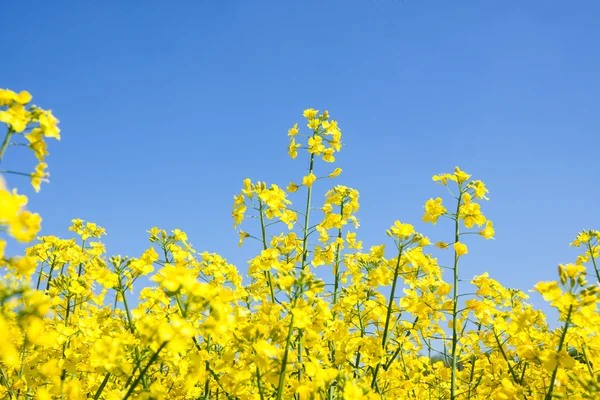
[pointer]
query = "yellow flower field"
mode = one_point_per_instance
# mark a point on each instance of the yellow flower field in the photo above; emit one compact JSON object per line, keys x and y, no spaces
{"x":317,"y":316}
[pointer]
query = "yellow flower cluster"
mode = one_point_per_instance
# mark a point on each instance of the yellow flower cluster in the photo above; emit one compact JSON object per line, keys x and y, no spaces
{"x":29,"y":121}
{"x":33,"y":123}
{"x":315,"y":317}
{"x":20,"y":223}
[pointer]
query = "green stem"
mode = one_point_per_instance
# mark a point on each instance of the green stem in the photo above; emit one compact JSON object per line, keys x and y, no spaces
{"x":5,"y":142}
{"x":455,"y":303}
{"x":64,"y":346}
{"x":121,"y":290}
{"x":337,"y":263}
{"x":594,"y":261}
{"x":399,"y":348}
{"x":39,"y":281}
{"x":102,"y":386}
{"x":50,"y":273}
{"x":143,"y":373}
{"x":503,"y":353}
{"x":304,"y":258}
{"x":264,"y":241}
{"x":306,"y":215}
{"x":472,"y":373}
{"x":336,"y":283}
{"x":560,"y":346}
{"x":207,"y":366}
{"x":523,"y":374}
{"x":259,"y":383}
{"x":284,"y":359}
{"x":362,"y":335}
{"x":80,"y":270}
{"x":5,"y":380}
{"x":127,"y":312}
{"x":22,"y":367}
{"x":6,"y":171}
{"x":389,"y":314}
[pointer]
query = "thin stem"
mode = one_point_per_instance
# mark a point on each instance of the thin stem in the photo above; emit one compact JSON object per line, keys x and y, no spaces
{"x":501,"y":348}
{"x":285,"y":358}
{"x":5,"y":142}
{"x":307,"y":214}
{"x":391,"y":360}
{"x":264,"y":241}
{"x":389,"y":314}
{"x":121,"y":290}
{"x":6,"y":171}
{"x":472,"y":373}
{"x":39,"y":281}
{"x":560,"y":346}
{"x":143,"y":373}
{"x":594,"y":261}
{"x":50,"y":273}
{"x":259,"y":383}
{"x":455,"y":302}
{"x":102,"y":385}
{"x":304,"y":258}
{"x":337,"y":262}
{"x":336,"y":283}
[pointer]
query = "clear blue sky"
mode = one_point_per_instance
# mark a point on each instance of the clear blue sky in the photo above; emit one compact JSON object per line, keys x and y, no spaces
{"x":166,"y":107}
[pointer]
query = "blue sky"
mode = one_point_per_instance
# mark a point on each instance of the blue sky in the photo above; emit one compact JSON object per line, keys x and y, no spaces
{"x":166,"y":108}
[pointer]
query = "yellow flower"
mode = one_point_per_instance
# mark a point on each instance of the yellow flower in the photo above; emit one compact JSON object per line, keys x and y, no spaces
{"x":286,"y":282}
{"x":423,"y":241}
{"x":24,"y":97}
{"x":42,"y":394}
{"x":37,"y":143}
{"x":49,"y":124}
{"x":479,"y":189}
{"x":433,"y":210}
{"x":352,"y":391}
{"x":292,"y":187}
{"x":288,"y":217}
{"x":443,"y":289}
{"x":507,"y":390}
{"x":243,"y":235}
{"x":460,"y":249}
{"x":461,"y":176}
{"x":39,"y":176}
{"x":471,"y":214}
{"x":315,"y":145}
{"x":24,"y":265}
{"x":293,"y":148}
{"x":401,"y":231}
{"x":16,"y":116}
{"x":328,"y":155}
{"x":310,"y":113}
{"x":25,"y":226}
{"x":313,"y":124}
{"x":309,"y":179}
{"x":443,"y":178}
{"x":336,"y":172}
{"x":488,"y":232}
{"x":301,"y":318}
{"x":293,"y":131}
{"x":238,"y":214}
{"x":7,"y":97}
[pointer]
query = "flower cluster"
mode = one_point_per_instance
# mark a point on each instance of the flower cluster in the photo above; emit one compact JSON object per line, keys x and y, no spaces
{"x":317,"y":316}
{"x":31,"y":122}
{"x":34,"y":124}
